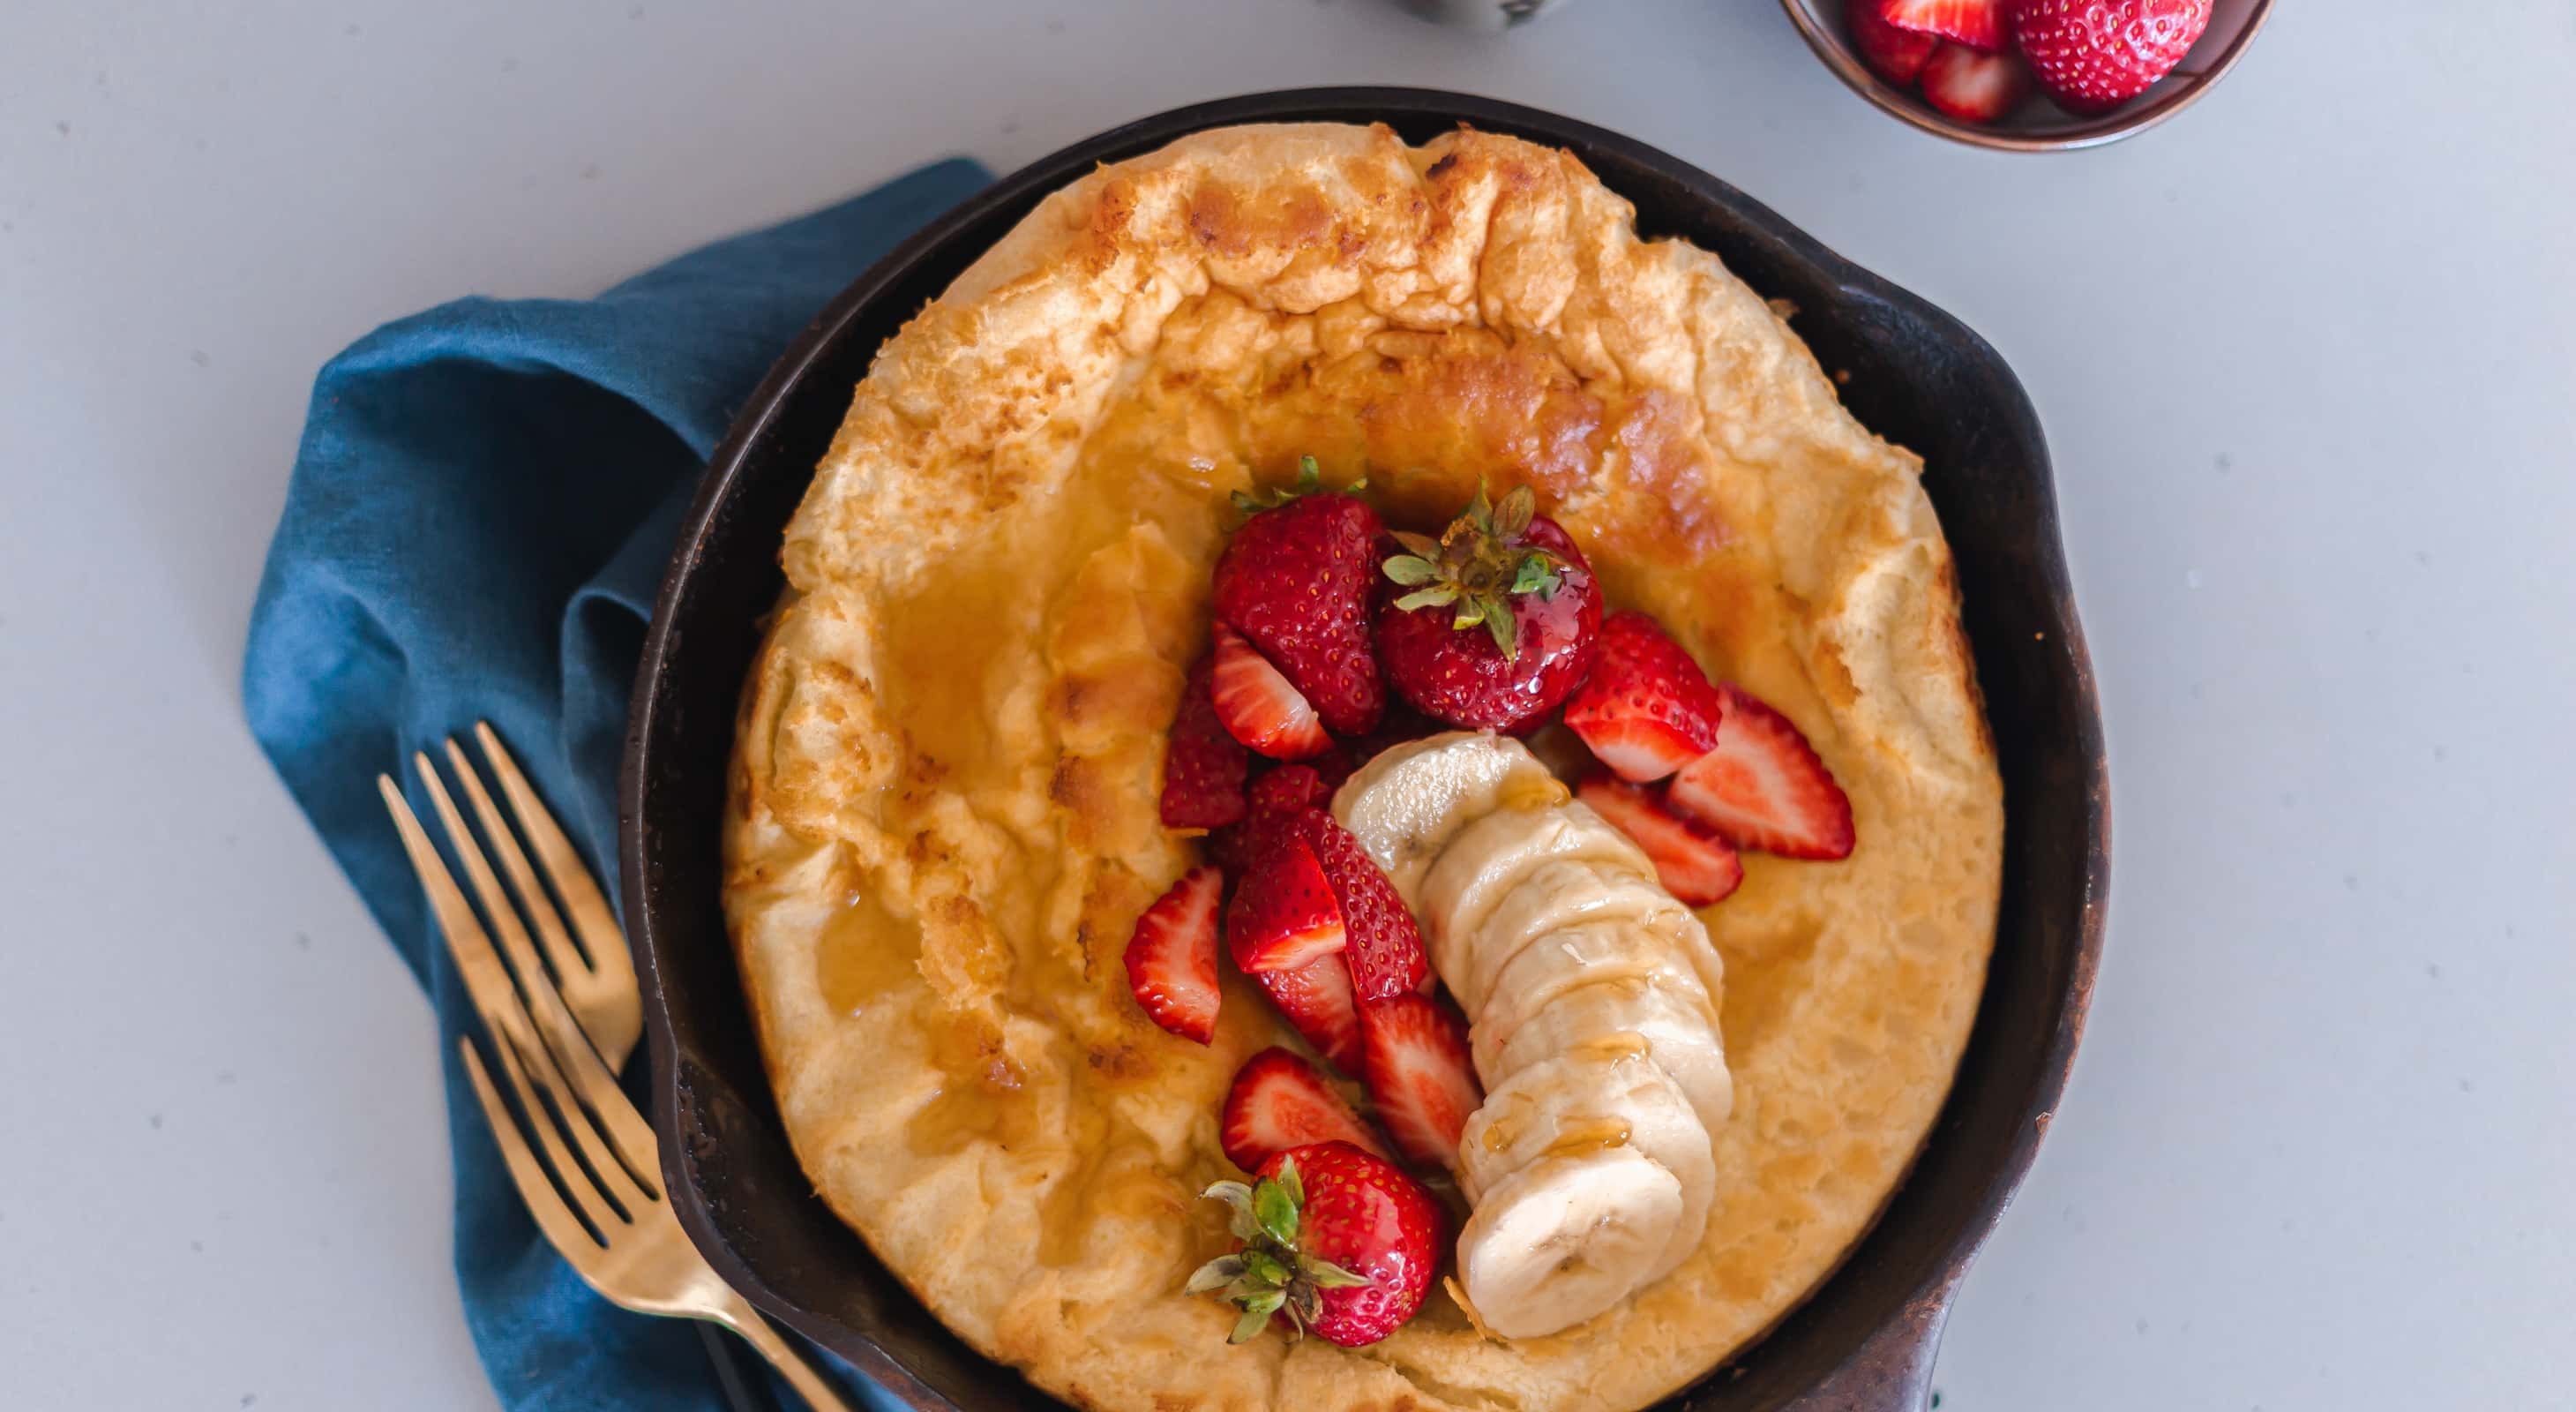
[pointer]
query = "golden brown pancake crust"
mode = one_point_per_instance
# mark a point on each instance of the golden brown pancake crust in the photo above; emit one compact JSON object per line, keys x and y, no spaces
{"x":943,"y":815}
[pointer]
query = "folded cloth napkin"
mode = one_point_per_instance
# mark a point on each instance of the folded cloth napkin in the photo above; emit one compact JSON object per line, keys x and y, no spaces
{"x":479,"y":516}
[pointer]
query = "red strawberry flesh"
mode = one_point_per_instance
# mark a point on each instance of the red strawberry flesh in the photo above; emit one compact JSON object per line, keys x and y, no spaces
{"x":1764,"y":787}
{"x":2094,"y":55}
{"x":1420,"y":1074}
{"x":1203,"y":765}
{"x":1385,"y":955}
{"x":1347,"y":1245}
{"x":1171,"y":957}
{"x":1284,"y":915}
{"x":1647,"y":709}
{"x":1695,"y":865}
{"x":1279,"y":1101}
{"x":1257,"y":705}
{"x":1973,"y":86}
{"x":1297,"y":580}
{"x":1319,"y":1004}
{"x":1461,"y":674}
{"x":1979,"y":24}
{"x":1893,"y":53}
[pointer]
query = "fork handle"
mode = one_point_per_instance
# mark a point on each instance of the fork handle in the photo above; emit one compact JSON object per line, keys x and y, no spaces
{"x":739,"y":1316}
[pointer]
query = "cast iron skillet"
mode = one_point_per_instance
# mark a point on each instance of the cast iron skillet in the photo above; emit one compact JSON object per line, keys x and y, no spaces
{"x":1865,"y":1339}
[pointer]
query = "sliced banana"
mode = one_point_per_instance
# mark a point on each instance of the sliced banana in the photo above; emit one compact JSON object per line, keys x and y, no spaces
{"x":1485,"y":862}
{"x":1586,"y":1099}
{"x":1589,"y":955}
{"x":1565,"y":1238}
{"x":1676,"y":1031}
{"x":1558,"y":895}
{"x":1405,"y":805}
{"x":1592,"y":1000}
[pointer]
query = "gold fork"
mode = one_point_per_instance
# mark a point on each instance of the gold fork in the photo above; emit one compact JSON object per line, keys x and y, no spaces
{"x":616,"y":1229}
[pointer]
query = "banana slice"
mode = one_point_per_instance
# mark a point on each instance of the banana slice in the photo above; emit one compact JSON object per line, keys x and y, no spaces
{"x":1566,"y":1238}
{"x":1589,"y":955}
{"x":1405,"y":805}
{"x":1587,"y":1099}
{"x":1484,"y":864}
{"x":1676,"y":1030}
{"x":1559,"y":894}
{"x":1591,"y":994}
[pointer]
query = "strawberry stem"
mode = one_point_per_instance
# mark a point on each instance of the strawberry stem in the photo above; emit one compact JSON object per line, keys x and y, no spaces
{"x":1478,"y":564}
{"x":1269,"y":1274}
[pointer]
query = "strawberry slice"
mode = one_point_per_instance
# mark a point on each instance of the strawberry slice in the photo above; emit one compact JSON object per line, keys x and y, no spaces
{"x":1258,"y":706}
{"x":1420,"y":1074}
{"x":1975,"y":87}
{"x":1171,"y":958}
{"x":1278,"y":1102}
{"x":1274,"y":799}
{"x":1319,"y":1004}
{"x":1979,"y":24}
{"x":1763,"y":787}
{"x":1284,"y":915}
{"x":1297,"y":580}
{"x":1386,"y":954}
{"x":1693,"y":863}
{"x":1647,"y":709}
{"x":1895,"y":54}
{"x":1203,"y":765}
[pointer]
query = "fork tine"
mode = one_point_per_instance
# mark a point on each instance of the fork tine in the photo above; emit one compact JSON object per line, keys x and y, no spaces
{"x":514,"y":861}
{"x":601,"y":938}
{"x":567,"y":1058}
{"x":505,"y":920}
{"x":605,"y":1213}
{"x":562,"y":1228}
{"x":608,"y":1167}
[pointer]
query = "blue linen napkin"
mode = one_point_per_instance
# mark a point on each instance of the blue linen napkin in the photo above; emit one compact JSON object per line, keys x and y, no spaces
{"x":479,"y":517}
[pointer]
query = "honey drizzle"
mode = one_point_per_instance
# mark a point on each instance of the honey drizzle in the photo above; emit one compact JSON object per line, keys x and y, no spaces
{"x":863,"y":952}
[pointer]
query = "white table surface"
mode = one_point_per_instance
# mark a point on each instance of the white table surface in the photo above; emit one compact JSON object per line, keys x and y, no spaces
{"x":2305,"y":357}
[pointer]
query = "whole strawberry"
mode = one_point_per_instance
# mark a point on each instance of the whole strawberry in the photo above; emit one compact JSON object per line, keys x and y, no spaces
{"x":1335,"y":1240}
{"x":1296,"y":582}
{"x":2094,"y":55}
{"x":1499,"y":618}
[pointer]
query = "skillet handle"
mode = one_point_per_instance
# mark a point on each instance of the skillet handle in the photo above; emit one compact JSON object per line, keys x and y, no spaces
{"x":1892,"y":1372}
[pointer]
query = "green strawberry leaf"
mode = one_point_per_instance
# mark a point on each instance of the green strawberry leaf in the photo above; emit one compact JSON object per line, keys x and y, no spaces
{"x":1411,"y":570}
{"x":1216,"y":1274}
{"x":1276,"y":1211}
{"x":1324,"y":1274}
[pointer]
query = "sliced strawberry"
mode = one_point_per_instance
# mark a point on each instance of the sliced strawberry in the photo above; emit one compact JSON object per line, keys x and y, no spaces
{"x":1647,"y":709}
{"x":1284,"y":793}
{"x":1171,"y":958}
{"x":1979,"y":24}
{"x":1284,"y":915}
{"x":1895,"y":54}
{"x":1275,"y":800}
{"x":1975,"y":87}
{"x":1319,"y":1003}
{"x":1386,"y":954}
{"x":1258,"y":706}
{"x":1420,"y":1074}
{"x":1203,"y":765}
{"x":1763,"y":787}
{"x":1297,"y":581}
{"x":1694,"y":864}
{"x":1278,"y":1102}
